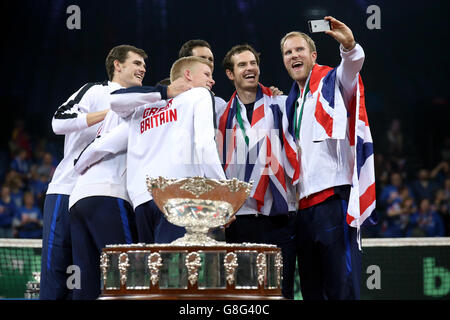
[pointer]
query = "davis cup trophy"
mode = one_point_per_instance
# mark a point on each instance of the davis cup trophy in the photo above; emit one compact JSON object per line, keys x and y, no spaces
{"x":194,"y":266}
{"x":198,"y":204}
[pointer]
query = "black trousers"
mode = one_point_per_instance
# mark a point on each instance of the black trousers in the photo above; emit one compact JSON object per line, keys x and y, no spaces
{"x":327,"y":251}
{"x":94,"y":223}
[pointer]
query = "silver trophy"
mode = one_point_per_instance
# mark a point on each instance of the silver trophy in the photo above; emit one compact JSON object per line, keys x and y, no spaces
{"x":194,"y":266}
{"x":198,"y":204}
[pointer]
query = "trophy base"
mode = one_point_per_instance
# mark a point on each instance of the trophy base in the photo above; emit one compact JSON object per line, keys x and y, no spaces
{"x":220,"y":271}
{"x":190,"y":296}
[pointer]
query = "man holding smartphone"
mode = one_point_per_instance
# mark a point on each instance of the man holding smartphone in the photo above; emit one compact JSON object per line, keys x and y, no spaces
{"x":250,"y":144}
{"x":321,"y":110}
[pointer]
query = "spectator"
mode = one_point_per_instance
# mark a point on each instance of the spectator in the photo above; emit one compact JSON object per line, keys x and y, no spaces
{"x":441,"y":172}
{"x":7,"y":212}
{"x":20,"y":138}
{"x":38,"y":183}
{"x":426,"y":222}
{"x":399,"y":216}
{"x":28,"y":220}
{"x":15,"y":183}
{"x":382,"y":170}
{"x":39,"y":148}
{"x":46,"y":168}
{"x":20,"y":163}
{"x":442,"y":205}
{"x":391,"y":192}
{"x":424,"y":187}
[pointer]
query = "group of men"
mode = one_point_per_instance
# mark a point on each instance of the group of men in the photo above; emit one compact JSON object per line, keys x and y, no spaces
{"x":298,"y":152}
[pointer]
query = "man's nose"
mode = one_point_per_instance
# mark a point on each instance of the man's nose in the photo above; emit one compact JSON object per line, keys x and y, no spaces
{"x":295,"y":55}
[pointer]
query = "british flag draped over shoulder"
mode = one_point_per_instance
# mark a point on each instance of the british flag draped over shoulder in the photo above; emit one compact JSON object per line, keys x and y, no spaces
{"x":255,"y":151}
{"x":331,"y":119}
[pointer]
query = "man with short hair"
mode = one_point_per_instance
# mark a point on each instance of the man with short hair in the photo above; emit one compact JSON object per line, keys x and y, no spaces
{"x":99,"y":205}
{"x":201,"y":48}
{"x":197,"y":48}
{"x":79,"y":120}
{"x":250,"y":143}
{"x":173,"y":138}
{"x":336,"y":183}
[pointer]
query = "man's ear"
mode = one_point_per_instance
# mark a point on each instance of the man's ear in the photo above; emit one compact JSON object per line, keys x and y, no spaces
{"x":314,"y":56}
{"x":230,"y":74}
{"x":117,"y":65}
{"x":187,"y":74}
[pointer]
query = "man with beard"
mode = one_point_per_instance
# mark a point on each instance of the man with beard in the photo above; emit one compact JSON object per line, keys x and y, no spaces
{"x":250,"y":143}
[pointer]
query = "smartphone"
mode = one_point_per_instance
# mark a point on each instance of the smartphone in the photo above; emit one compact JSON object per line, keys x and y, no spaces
{"x":319,"y":25}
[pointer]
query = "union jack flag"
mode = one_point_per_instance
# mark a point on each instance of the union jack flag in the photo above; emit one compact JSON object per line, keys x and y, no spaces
{"x":362,"y":196}
{"x":258,"y":151}
{"x":332,"y":117}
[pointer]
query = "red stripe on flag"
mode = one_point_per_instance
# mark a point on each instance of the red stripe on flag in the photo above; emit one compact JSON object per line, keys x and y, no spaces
{"x":367,"y":198}
{"x":224,"y":117}
{"x":362,"y":104}
{"x":261,"y":189}
{"x":349,"y":219}
{"x":352,"y":121}
{"x":231,"y":147}
{"x":323,"y":118}
{"x":265,"y":90}
{"x":258,"y":114}
{"x":317,"y":74}
{"x":292,"y":158}
{"x":275,"y":165}
{"x":263,"y":182}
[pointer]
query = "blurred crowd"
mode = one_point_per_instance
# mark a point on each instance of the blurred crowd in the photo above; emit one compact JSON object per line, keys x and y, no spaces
{"x":26,"y":168}
{"x":412,"y":200}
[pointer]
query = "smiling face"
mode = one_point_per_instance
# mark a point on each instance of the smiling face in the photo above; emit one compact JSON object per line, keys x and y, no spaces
{"x":298,"y":59}
{"x":201,"y":75}
{"x":245,"y":73}
{"x":131,"y":72}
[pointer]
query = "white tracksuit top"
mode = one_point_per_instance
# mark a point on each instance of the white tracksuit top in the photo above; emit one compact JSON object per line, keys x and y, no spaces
{"x":106,"y":176}
{"x":172,"y":138}
{"x":70,"y":120}
{"x":328,"y":163}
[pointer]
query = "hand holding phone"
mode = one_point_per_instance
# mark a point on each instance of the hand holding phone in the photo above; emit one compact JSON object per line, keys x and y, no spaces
{"x":319,"y":25}
{"x":337,"y":29}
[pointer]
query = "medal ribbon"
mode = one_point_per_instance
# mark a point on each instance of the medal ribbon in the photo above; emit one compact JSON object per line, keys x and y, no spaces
{"x":240,"y":122}
{"x":299,"y":122}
